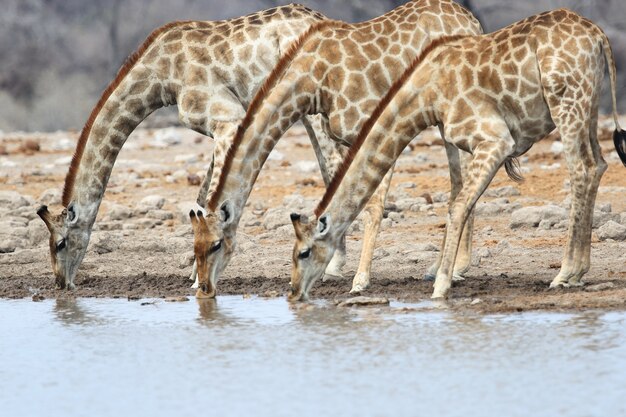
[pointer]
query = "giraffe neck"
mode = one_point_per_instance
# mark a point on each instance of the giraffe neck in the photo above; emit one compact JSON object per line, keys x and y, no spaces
{"x":128,"y":104}
{"x":376,"y":149}
{"x":268,"y":125}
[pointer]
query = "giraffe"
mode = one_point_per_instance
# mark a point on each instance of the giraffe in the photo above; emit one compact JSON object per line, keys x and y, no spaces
{"x":494,"y":95}
{"x":209,"y":69}
{"x":340,"y":71}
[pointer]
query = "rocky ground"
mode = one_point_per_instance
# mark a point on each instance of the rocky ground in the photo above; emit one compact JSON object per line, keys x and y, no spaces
{"x":142,"y":240}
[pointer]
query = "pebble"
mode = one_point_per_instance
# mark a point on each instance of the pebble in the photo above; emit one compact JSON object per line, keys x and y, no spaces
{"x":149,"y":203}
{"x":476,"y":301}
{"x":12,"y":200}
{"x":307,"y":167}
{"x":186,"y":260}
{"x":50,"y":197}
{"x":506,"y":191}
{"x":275,"y":218}
{"x":533,"y":216}
{"x":395,"y":216}
{"x":180,"y":299}
{"x":557,"y":147}
{"x":193,"y":179}
{"x":612,"y":230}
{"x":37,"y":232}
{"x":66,"y":160}
{"x":385,"y":224}
{"x":380,"y":253}
{"x":600,"y":287}
{"x":186,"y":159}
{"x":364,"y":301}
{"x":160,"y":215}
{"x":118,"y":212}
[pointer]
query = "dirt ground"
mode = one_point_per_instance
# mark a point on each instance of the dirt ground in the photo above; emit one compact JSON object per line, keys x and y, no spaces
{"x":145,"y":251}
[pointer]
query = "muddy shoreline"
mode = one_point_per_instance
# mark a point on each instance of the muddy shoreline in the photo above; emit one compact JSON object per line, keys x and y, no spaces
{"x":141,"y":245}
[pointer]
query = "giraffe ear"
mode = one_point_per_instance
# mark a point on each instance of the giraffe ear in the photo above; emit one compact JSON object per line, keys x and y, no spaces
{"x":72,"y":215}
{"x":226,"y":212}
{"x":323,"y":226}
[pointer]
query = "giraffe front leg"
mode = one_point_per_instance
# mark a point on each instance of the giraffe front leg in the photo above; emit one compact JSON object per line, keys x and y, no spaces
{"x":488,"y":157}
{"x":458,"y":163}
{"x":372,"y":217}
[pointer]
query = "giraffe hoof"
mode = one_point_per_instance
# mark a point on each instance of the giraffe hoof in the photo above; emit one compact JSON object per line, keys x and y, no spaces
{"x":456,"y":277}
{"x":559,"y":284}
{"x":429,"y":277}
{"x":360,"y":283}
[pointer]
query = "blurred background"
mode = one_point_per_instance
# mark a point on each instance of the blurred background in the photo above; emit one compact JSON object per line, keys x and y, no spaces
{"x":56,"y":56}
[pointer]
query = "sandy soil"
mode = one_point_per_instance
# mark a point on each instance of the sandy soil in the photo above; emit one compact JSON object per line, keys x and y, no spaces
{"x":146,"y":252}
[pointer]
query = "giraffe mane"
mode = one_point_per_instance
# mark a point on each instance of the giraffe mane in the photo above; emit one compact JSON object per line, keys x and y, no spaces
{"x":369,"y":124}
{"x":255,"y":104}
{"x":128,"y":64}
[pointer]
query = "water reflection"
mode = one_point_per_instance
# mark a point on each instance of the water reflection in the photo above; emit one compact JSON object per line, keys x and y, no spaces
{"x":70,"y":311}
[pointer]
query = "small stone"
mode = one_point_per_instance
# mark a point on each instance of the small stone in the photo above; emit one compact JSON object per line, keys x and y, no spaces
{"x":364,"y":301}
{"x":66,"y":160}
{"x":605,"y":208}
{"x":441,"y":197}
{"x":275,"y":218}
{"x":380,"y":253}
{"x":612,"y":230}
{"x":556,"y":148}
{"x":102,"y":243}
{"x":275,"y":156}
{"x":407,"y":185}
{"x":186,"y":159}
{"x":484,"y":253}
{"x":30,"y":146}
{"x":50,"y":197}
{"x":149,"y":203}
{"x":118,"y":212}
{"x":386,"y":224}
{"x":37,"y":232}
{"x":601,"y":217}
{"x":600,"y":287}
{"x":396,"y":217}
{"x":476,"y":301}
{"x":193,"y":179}
{"x":307,"y":167}
{"x":38,"y":297}
{"x":532,"y":216}
{"x":12,"y":200}
{"x":160,"y":215}
{"x":186,"y":260}
{"x":270,"y":294}
{"x":427,"y":197}
{"x":506,"y":191}
{"x":180,"y":299}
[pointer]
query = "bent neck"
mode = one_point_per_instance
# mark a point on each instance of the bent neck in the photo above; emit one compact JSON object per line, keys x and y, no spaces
{"x":117,"y":118}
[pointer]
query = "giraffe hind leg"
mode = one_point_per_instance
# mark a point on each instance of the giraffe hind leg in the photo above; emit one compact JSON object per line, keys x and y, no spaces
{"x":585,"y":166}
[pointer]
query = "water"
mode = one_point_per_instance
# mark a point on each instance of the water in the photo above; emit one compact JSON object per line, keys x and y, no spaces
{"x":264,"y":358}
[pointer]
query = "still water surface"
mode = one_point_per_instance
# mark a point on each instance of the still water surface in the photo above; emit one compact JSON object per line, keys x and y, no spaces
{"x":261,"y":357}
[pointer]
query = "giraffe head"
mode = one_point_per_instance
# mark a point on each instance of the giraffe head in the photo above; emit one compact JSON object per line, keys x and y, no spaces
{"x":69,"y":237}
{"x":312,"y":252}
{"x":212,"y":247}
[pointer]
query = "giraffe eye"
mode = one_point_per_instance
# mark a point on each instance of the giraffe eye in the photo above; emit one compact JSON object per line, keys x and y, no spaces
{"x":304,"y":254}
{"x":60,"y":245}
{"x":216,"y":246}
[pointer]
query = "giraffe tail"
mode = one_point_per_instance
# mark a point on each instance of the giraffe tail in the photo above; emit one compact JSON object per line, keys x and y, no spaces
{"x":619,"y":136}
